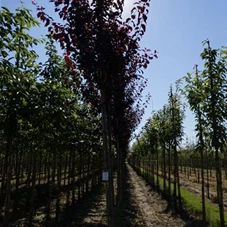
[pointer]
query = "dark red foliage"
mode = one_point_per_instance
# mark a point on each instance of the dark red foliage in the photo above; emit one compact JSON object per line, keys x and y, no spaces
{"x":97,"y":40}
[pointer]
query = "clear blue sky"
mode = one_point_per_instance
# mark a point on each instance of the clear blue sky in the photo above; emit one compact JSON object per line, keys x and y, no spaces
{"x":176,"y":29}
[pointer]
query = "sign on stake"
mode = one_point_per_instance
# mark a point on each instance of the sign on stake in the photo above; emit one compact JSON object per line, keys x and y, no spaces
{"x":105,"y":176}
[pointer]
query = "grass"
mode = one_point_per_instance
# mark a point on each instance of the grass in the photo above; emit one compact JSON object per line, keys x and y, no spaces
{"x":193,"y":203}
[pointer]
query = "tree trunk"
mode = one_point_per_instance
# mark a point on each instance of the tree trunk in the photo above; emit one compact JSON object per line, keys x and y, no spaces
{"x":203,"y":187}
{"x":106,"y":157}
{"x":32,"y":190}
{"x":157,"y":167}
{"x":65,"y":169}
{"x":59,"y":169}
{"x":79,"y":176}
{"x":72,"y":183}
{"x":169,"y":171}
{"x":51,"y":185}
{"x":9,"y":151}
{"x":88,"y":171}
{"x":219,"y":188}
{"x":164,"y":168}
{"x":18,"y":170}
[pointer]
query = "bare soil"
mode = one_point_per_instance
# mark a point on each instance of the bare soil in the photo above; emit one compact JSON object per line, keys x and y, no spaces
{"x":152,"y":209}
{"x":192,"y":185}
{"x":143,"y":207}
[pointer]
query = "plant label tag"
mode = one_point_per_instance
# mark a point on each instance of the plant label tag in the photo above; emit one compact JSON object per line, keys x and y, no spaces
{"x":105,"y":176}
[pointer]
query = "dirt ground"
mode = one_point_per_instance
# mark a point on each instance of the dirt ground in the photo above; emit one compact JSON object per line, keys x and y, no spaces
{"x":191,"y":184}
{"x":152,"y":209}
{"x":194,"y":186}
{"x":143,"y":207}
{"x":90,"y":212}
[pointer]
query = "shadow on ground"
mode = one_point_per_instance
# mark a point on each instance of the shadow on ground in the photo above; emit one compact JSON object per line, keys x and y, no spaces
{"x":130,"y":217}
{"x":186,"y":216}
{"x":86,"y":208}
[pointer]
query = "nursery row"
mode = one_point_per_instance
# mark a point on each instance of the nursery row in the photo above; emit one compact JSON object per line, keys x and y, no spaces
{"x":199,"y":166}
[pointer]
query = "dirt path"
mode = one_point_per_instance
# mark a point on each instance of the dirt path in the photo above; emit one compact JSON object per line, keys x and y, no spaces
{"x":151,"y":207}
{"x":143,"y":208}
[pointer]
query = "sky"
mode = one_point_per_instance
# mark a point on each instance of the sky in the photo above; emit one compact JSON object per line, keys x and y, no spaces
{"x":176,"y":29}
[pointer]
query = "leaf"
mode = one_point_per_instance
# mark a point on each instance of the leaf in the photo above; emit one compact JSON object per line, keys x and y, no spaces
{"x":145,"y":17}
{"x":143,"y":27}
{"x":224,"y":52}
{"x":4,"y":54}
{"x":6,"y":9}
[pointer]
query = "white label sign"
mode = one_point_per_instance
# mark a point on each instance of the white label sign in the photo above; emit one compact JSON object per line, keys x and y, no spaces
{"x":105,"y":176}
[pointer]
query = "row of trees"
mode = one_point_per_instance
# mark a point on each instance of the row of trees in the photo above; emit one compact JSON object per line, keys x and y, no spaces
{"x":205,"y":93}
{"x":47,"y":139}
{"x":58,"y":114}
{"x":159,"y":144}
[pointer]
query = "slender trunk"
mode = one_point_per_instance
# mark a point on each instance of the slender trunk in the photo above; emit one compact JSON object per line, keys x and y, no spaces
{"x":79,"y":176}
{"x":4,"y":175}
{"x":153,"y":169}
{"x":45,"y":169}
{"x":83,"y":172}
{"x":88,"y":171}
{"x":119,"y":175}
{"x":69,"y":177}
{"x":40,"y":166}
{"x":178,"y":187}
{"x":72,"y":183}
{"x":32,"y":190}
{"x":28,"y":181}
{"x":65,"y":168}
{"x":219,"y":188}
{"x":119,"y":180}
{"x":8,"y":180}
{"x":51,"y":185}
{"x":164,"y":168}
{"x":202,"y":164}
{"x":110,"y":161}
{"x":169,"y":170}
{"x":59,"y":169}
{"x":157,"y":167}
{"x":225,"y":164}
{"x":106,"y":155}
{"x":18,"y":169}
{"x":203,"y":187}
{"x":49,"y":168}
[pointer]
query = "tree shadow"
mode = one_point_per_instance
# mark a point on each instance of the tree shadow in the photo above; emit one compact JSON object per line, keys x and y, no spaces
{"x":130,"y":212}
{"x":41,"y":199}
{"x":74,"y":215}
{"x":185,"y":215}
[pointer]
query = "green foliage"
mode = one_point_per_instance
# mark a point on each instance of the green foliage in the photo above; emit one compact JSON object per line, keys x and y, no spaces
{"x":42,"y":115}
{"x":165,"y":126}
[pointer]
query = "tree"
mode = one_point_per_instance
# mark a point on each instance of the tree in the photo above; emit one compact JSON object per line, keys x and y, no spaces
{"x":214,"y":77}
{"x":194,"y":93}
{"x":90,"y":26}
{"x":18,"y":71}
{"x":176,"y":135}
